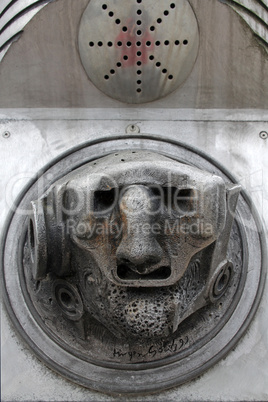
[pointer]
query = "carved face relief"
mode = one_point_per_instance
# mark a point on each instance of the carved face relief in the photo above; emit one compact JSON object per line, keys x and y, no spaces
{"x":140,"y":235}
{"x":132,"y":273}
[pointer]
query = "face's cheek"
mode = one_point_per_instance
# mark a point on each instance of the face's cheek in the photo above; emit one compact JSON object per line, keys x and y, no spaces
{"x":183,"y":237}
{"x":88,"y":275}
{"x":91,"y":233}
{"x":90,"y":253}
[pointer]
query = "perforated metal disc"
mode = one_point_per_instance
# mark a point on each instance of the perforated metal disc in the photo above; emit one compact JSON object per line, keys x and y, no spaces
{"x":138,"y":50}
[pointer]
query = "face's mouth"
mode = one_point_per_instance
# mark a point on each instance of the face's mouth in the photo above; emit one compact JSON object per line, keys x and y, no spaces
{"x":129,"y":272}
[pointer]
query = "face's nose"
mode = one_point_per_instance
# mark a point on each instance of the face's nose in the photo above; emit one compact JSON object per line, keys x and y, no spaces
{"x":139,"y":248}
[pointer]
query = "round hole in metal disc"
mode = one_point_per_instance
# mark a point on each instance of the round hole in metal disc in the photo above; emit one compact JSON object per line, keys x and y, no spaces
{"x":163,"y":25}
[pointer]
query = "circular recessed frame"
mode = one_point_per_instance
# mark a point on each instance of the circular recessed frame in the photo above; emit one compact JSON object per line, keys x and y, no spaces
{"x":113,"y":367}
{"x":138,"y":52}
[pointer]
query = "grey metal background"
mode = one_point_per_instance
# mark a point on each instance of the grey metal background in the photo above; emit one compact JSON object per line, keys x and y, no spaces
{"x":220,"y":110}
{"x":231,"y":70}
{"x":35,"y":138}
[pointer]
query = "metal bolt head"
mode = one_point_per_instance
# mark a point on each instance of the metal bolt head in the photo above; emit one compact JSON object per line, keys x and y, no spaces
{"x":6,"y":134}
{"x":263,"y":135}
{"x":132,"y":128}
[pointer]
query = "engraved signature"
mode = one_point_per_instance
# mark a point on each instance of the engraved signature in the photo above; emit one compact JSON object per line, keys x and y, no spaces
{"x":153,"y":350}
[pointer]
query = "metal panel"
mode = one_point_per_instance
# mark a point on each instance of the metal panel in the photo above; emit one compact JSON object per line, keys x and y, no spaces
{"x":237,"y":145}
{"x":43,"y":69}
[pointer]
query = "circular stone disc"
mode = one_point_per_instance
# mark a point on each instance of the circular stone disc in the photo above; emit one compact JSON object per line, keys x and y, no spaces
{"x":138,"y":51}
{"x":96,"y":360}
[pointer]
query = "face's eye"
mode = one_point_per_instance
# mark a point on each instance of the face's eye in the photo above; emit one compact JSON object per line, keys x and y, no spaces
{"x":183,"y":200}
{"x":104,"y":201}
{"x":175,"y":199}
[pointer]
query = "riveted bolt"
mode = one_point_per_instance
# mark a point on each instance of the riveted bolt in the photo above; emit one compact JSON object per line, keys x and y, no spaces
{"x":263,"y":135}
{"x":6,"y":134}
